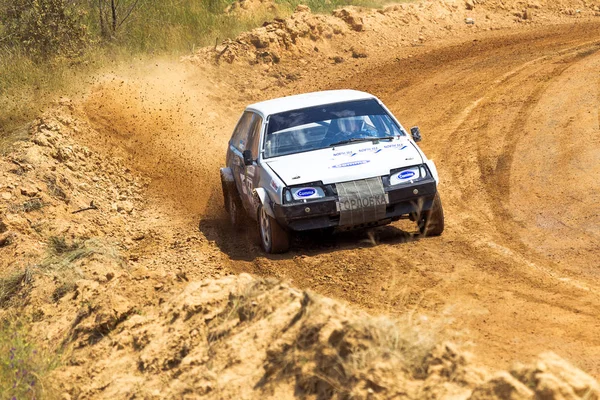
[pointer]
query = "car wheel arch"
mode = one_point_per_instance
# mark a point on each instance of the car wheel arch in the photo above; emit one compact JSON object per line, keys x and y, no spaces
{"x":226,"y":174}
{"x":261,"y":197}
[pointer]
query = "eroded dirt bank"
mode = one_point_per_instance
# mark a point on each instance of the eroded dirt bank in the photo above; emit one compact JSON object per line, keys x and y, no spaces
{"x":244,"y":338}
{"x":509,"y":110}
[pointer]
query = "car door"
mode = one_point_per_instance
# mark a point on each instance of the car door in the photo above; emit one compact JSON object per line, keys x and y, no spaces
{"x":237,"y":145}
{"x":246,"y":136}
{"x":252,"y":172}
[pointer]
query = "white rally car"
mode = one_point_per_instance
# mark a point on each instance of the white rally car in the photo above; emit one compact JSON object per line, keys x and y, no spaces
{"x":334,"y":159}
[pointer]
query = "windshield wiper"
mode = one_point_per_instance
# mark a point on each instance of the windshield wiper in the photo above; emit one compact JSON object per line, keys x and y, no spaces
{"x":365,"y":139}
{"x":353,"y":140}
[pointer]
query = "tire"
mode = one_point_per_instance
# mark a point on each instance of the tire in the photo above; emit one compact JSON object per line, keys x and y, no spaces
{"x":233,"y":204}
{"x":431,"y":222}
{"x":273,"y":238}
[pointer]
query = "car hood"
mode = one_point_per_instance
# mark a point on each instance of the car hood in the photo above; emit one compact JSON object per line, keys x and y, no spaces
{"x":345,"y":163}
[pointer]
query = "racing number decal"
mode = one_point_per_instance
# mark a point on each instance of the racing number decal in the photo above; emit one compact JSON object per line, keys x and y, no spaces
{"x":247,"y":185}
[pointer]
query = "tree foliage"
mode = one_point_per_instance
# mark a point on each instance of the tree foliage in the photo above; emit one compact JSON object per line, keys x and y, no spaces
{"x":44,"y":29}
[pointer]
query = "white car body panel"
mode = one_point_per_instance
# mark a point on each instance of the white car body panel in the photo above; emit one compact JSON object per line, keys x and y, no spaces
{"x":306,"y":100}
{"x":345,"y":163}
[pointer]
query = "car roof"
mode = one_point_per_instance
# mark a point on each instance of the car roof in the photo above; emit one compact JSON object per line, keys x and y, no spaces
{"x":299,"y":101}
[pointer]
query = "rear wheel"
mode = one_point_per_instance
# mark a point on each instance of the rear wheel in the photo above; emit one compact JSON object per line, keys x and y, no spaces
{"x":273,"y":238}
{"x":233,"y":204}
{"x":431,"y":222}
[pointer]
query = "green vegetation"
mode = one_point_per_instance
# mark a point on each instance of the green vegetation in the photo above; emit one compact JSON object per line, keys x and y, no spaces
{"x":43,"y":29}
{"x":49,"y":47}
{"x":23,"y":365}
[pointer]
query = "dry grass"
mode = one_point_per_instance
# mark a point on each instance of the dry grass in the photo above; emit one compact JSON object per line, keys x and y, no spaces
{"x":59,"y":245}
{"x":62,"y":253}
{"x":13,"y":285}
{"x":335,"y":350}
{"x":400,"y":340}
{"x":33,"y":204}
{"x":243,"y":306}
{"x":55,"y":188}
{"x":24,"y":365}
{"x":62,"y":290}
{"x":155,"y":28}
{"x":59,"y":264}
{"x":63,"y":256}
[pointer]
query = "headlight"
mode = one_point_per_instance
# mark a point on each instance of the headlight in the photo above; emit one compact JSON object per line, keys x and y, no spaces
{"x":409,"y":175}
{"x":303,"y":193}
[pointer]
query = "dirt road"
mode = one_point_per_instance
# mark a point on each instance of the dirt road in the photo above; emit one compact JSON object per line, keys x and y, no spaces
{"x":512,"y":121}
{"x":513,"y":124}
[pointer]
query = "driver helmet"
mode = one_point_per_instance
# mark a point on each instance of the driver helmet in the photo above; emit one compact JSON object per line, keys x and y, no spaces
{"x":350,"y":124}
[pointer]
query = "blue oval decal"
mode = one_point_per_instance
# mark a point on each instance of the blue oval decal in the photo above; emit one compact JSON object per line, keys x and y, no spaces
{"x":351,"y":164}
{"x":306,"y":192}
{"x":406,"y":175}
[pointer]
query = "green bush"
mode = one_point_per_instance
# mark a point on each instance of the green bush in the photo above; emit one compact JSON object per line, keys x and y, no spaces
{"x":23,"y":365}
{"x":79,"y":37}
{"x":44,"y":29}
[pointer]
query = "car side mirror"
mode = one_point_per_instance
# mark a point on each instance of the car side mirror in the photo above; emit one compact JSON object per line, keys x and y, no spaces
{"x":247,"y":154}
{"x":416,"y":133}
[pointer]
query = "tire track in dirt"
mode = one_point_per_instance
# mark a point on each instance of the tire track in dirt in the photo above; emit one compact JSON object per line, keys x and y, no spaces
{"x":508,"y":299}
{"x":498,"y":184}
{"x":565,"y":226}
{"x":477,"y":153}
{"x":494,"y":179}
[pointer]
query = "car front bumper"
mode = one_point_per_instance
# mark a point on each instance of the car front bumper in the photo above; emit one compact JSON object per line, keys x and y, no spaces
{"x":320,"y":214}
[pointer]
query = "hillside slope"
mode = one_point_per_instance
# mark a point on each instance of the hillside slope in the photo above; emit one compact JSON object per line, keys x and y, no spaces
{"x":115,"y":246}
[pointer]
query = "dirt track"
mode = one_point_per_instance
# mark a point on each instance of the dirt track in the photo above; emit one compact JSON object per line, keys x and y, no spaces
{"x":512,"y":123}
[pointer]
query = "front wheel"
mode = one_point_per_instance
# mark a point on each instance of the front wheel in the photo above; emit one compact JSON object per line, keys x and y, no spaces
{"x":431,"y":222}
{"x":273,"y":238}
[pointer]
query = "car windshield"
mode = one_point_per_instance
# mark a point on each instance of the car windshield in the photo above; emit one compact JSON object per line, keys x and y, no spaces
{"x":324,"y":126}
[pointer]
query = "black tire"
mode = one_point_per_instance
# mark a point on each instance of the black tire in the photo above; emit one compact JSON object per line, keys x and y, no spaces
{"x":273,"y":238}
{"x":431,"y":222}
{"x":233,"y":204}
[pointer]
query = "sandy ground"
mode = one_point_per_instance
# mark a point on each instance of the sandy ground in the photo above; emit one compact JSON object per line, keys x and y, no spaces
{"x":511,"y":120}
{"x":511,"y":117}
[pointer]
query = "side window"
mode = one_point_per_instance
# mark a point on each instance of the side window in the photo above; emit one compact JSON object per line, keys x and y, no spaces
{"x":254,"y":139}
{"x":239,"y":139}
